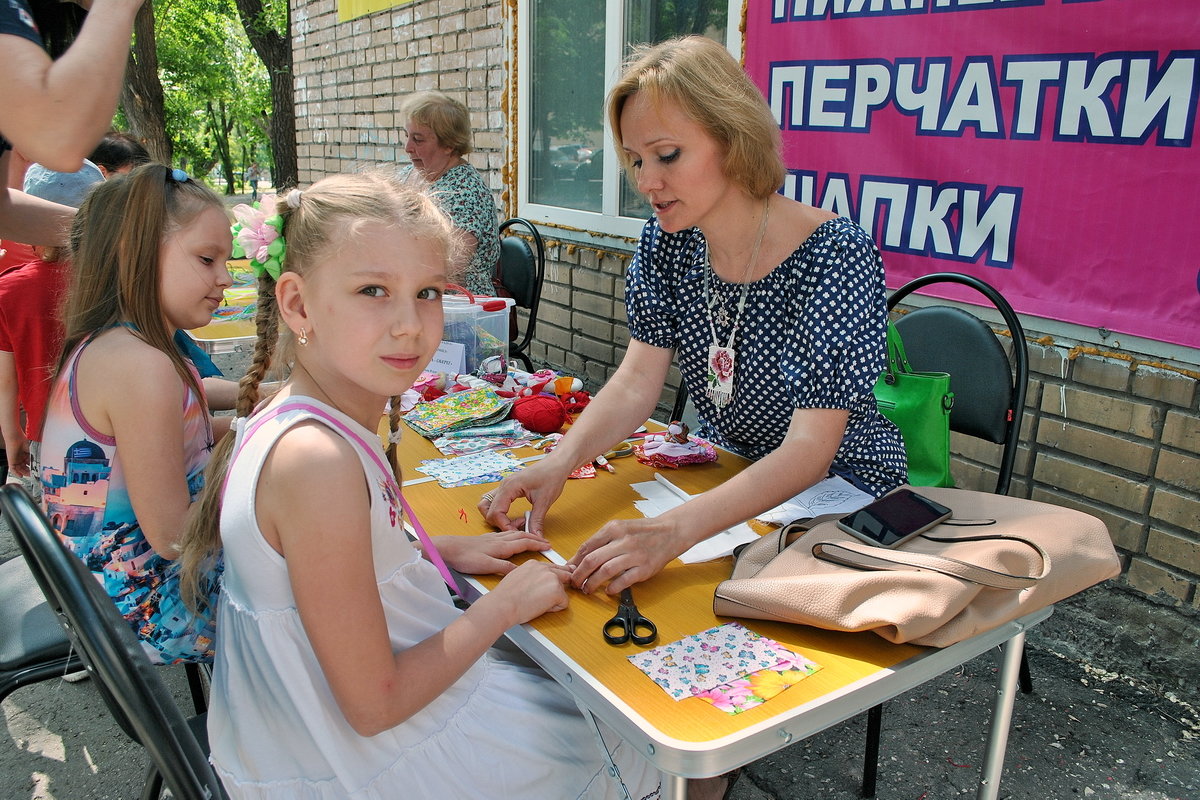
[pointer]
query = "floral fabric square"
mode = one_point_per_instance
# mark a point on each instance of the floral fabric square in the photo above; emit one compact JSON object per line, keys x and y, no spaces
{"x":707,"y":660}
{"x":759,"y":687}
{"x":487,"y":466}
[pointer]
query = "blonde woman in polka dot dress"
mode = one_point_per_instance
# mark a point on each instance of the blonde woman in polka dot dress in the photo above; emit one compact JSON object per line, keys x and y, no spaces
{"x":775,"y":311}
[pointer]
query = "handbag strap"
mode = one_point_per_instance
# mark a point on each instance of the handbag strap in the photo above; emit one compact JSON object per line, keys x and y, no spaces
{"x":897,"y":360}
{"x":864,"y":556}
{"x":752,"y":557}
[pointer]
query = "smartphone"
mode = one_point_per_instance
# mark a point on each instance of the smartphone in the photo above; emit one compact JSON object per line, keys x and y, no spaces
{"x":894,"y":518}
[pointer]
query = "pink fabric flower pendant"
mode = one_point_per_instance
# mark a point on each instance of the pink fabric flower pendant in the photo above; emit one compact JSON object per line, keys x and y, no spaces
{"x":721,"y":364}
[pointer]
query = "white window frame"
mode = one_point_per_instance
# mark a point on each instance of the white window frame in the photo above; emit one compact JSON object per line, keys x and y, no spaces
{"x":607,"y":221}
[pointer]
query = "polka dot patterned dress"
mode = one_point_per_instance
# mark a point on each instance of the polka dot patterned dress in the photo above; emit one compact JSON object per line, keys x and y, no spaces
{"x":812,"y":335}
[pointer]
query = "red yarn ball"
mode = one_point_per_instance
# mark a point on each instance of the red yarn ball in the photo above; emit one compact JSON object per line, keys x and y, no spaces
{"x":539,"y":413}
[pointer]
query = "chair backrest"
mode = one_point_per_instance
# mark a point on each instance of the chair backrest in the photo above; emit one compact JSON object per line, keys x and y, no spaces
{"x":128,"y":682}
{"x":522,"y":272}
{"x":989,"y":387}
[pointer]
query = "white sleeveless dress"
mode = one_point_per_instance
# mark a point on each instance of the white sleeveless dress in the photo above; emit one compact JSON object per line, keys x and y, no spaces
{"x":501,"y":731}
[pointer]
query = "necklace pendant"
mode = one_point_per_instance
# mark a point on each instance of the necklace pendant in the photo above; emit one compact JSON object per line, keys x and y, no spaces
{"x":722,"y":361}
{"x":721,"y":316}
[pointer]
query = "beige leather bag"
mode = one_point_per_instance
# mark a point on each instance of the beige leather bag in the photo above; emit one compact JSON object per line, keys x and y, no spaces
{"x":936,"y":589}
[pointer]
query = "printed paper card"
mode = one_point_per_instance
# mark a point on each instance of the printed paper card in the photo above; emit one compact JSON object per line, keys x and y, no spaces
{"x":758,"y":687}
{"x":706,"y":660}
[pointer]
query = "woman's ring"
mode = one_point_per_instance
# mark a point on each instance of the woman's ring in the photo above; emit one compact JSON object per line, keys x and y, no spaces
{"x":487,"y":496}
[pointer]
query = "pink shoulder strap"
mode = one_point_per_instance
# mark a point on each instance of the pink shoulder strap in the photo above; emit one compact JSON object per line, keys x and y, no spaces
{"x":422,"y":536}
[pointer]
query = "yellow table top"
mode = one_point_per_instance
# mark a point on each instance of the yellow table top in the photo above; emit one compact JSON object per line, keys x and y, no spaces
{"x":678,"y":600}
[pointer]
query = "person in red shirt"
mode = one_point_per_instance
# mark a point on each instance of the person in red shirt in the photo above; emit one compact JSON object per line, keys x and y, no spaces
{"x":31,"y":329}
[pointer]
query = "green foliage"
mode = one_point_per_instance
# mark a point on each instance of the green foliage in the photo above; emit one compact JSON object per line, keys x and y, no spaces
{"x":217,"y":95}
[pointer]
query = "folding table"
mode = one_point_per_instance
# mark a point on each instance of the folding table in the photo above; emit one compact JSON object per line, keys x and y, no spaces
{"x":691,"y":738}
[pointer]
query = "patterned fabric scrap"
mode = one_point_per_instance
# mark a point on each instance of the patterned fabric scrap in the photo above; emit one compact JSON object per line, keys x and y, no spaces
{"x":457,"y":410}
{"x":712,"y":660}
{"x":485,"y":467}
{"x":759,"y":687}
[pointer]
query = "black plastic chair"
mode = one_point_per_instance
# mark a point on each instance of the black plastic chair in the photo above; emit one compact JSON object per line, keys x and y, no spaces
{"x":989,"y":396}
{"x":130,"y":685}
{"x":33,"y":646}
{"x":522,"y":271}
{"x":989,"y":387}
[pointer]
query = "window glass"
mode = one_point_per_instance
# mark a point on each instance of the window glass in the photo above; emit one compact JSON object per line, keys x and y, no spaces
{"x":656,"y":21}
{"x":565,"y":87}
{"x":566,"y":107}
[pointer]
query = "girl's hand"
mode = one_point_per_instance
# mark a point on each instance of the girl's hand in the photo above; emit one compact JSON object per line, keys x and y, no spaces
{"x":625,"y":552}
{"x":530,"y":590}
{"x":487,"y":554}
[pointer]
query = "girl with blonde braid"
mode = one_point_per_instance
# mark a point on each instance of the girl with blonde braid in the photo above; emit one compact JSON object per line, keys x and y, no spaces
{"x":343,"y":667}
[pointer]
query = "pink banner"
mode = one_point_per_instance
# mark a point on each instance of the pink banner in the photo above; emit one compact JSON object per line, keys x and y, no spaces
{"x":1045,"y":146}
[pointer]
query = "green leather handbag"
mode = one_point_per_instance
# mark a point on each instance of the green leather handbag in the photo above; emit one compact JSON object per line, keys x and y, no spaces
{"x":919,"y":404}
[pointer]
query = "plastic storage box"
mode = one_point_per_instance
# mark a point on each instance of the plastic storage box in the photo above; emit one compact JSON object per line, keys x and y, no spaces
{"x":479,"y":324}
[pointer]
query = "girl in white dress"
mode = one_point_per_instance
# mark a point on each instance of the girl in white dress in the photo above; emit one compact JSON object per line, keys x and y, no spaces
{"x":343,"y":668}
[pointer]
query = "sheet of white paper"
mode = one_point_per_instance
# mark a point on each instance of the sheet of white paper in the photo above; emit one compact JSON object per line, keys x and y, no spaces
{"x":659,"y":498}
{"x":833,"y":495}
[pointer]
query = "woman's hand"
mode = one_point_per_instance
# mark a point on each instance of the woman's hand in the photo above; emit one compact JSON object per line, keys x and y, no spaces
{"x":625,"y":552}
{"x":541,"y":483}
{"x":532,"y":589}
{"x":487,"y":554}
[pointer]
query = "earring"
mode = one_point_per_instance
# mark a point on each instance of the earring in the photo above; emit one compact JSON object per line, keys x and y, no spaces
{"x":303,"y":337}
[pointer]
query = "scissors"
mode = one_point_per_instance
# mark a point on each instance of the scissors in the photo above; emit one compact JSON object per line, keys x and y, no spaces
{"x":623,"y":450}
{"x":628,"y":623}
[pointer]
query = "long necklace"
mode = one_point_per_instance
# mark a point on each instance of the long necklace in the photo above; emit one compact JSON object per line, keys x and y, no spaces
{"x":722,"y":361}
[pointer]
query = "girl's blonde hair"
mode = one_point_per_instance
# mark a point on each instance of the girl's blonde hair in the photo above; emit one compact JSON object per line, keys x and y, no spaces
{"x":714,"y":91}
{"x":114,"y":250}
{"x":446,"y":117}
{"x":315,"y":222}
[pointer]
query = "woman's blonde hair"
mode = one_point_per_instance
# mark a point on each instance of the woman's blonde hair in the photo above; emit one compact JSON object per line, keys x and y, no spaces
{"x":446,"y":117}
{"x":114,"y":251}
{"x":315,"y":222}
{"x":713,"y":90}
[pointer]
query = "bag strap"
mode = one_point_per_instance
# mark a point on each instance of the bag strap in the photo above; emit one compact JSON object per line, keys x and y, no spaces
{"x":897,"y":360}
{"x":749,"y":559}
{"x":864,"y":556}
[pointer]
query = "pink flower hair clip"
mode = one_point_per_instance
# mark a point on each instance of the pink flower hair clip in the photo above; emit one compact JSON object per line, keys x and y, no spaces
{"x":258,"y":236}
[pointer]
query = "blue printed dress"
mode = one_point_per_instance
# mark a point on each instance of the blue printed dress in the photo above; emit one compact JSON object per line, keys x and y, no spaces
{"x":812,"y":336}
{"x":86,"y":499}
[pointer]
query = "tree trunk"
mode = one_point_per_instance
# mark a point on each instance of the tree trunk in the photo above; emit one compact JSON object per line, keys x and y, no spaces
{"x":142,"y":94}
{"x":275,"y":50}
{"x":219,"y":126}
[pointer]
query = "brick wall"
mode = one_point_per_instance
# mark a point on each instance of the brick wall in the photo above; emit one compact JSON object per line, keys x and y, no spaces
{"x":1113,"y":434}
{"x":351,"y":79}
